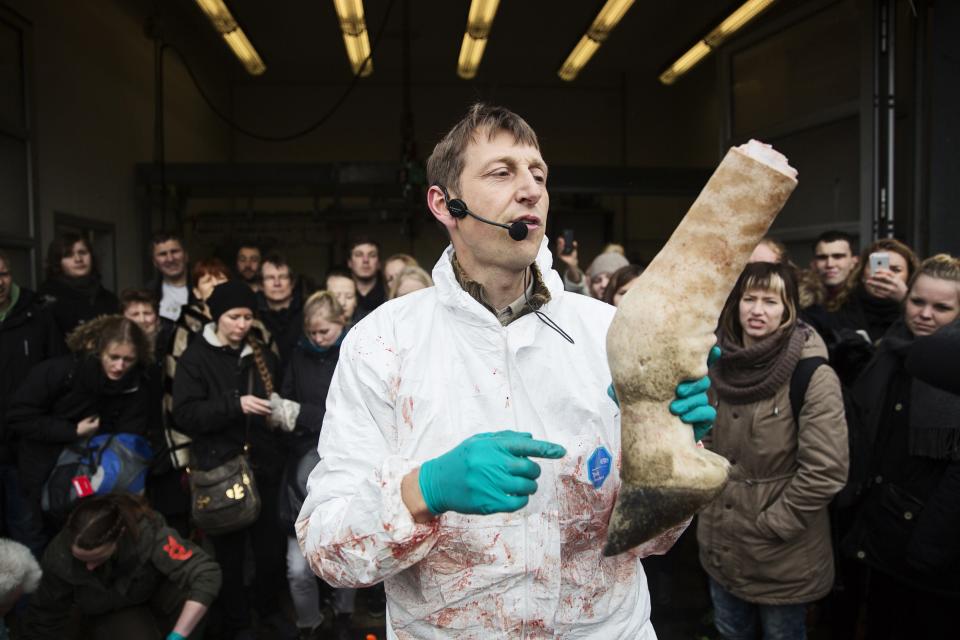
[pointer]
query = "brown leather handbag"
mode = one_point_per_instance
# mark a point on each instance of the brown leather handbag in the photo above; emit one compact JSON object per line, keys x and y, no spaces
{"x":225,"y":499}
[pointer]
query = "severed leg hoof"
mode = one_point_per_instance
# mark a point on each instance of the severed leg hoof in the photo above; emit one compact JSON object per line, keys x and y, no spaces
{"x":642,"y":513}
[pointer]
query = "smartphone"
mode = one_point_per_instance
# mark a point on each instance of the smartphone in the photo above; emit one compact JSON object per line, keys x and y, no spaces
{"x":567,"y":242}
{"x":879,"y":260}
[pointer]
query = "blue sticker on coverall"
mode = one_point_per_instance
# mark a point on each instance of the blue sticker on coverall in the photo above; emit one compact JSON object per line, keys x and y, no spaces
{"x":598,"y":466}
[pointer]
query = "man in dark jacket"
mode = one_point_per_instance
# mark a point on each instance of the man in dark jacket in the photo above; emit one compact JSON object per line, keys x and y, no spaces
{"x":363,"y":261}
{"x":28,"y":335}
{"x":280,"y":301}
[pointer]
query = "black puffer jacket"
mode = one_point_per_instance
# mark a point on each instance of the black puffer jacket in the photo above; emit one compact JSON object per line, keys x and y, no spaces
{"x":28,"y":336}
{"x":71,"y":306}
{"x":207,"y":387}
{"x":56,"y":395}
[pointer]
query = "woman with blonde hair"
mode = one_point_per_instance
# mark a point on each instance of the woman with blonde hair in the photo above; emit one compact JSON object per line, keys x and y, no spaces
{"x":409,"y":280}
{"x":395,"y":264}
{"x":905,"y":471}
{"x":299,"y":409}
{"x":765,"y":541}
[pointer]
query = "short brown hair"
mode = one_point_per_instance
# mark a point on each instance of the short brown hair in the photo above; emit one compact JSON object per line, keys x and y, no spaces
{"x":445,"y":164}
{"x":767,"y":276}
{"x":137,"y":296}
{"x":209,"y":267}
{"x":62,"y":246}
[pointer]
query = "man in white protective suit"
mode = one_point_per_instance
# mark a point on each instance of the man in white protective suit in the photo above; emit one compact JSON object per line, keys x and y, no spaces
{"x":470,"y":450}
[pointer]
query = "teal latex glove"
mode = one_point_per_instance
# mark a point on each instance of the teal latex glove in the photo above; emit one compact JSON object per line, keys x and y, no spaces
{"x":173,"y":635}
{"x":691,"y":404}
{"x":486,"y":473}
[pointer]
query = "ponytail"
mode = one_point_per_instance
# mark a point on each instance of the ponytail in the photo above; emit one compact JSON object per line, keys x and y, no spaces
{"x":102,"y":520}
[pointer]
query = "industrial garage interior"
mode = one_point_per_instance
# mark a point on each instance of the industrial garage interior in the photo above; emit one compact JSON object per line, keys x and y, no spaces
{"x":122,"y":118}
{"x":285,"y":123}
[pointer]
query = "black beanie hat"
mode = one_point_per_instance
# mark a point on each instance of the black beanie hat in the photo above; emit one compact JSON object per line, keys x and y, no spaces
{"x":232,"y":294}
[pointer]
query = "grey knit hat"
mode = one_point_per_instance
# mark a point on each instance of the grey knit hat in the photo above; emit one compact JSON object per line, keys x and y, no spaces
{"x":606,"y":263}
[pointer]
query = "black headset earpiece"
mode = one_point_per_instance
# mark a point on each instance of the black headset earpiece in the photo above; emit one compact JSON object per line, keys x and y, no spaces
{"x":456,"y":207}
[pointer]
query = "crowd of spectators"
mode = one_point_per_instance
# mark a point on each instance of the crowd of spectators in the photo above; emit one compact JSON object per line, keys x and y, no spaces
{"x":836,"y":409}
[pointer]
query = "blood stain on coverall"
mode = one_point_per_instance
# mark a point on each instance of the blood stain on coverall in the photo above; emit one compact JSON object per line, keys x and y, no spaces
{"x":406,"y":410}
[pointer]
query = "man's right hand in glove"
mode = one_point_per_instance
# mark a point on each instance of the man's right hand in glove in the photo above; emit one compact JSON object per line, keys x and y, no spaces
{"x":486,"y":473}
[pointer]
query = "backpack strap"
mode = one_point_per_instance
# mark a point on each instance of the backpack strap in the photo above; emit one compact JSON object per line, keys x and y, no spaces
{"x":799,"y":382}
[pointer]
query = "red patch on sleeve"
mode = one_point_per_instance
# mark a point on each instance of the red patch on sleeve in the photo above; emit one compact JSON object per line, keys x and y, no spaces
{"x":177,"y":551}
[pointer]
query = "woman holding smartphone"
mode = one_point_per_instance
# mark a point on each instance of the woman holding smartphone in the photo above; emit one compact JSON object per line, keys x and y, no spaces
{"x":871,"y":300}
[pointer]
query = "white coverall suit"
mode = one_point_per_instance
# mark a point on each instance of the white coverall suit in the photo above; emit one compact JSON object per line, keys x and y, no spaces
{"x":415,"y":378}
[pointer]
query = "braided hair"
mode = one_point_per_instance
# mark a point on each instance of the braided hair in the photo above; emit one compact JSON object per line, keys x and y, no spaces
{"x":101,"y":520}
{"x":261,"y":364}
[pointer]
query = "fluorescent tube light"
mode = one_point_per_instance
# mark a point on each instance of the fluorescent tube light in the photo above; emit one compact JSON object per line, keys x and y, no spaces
{"x":236,"y":39}
{"x":607,"y":19}
{"x":355,"y":37}
{"x":747,"y":12}
{"x":479,"y":22}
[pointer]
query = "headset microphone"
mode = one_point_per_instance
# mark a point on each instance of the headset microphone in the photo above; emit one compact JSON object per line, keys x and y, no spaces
{"x":458,"y":209}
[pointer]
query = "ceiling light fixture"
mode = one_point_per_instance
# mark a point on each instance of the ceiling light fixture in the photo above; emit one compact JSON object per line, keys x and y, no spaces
{"x":747,"y":12}
{"x":608,"y":18}
{"x":355,"y":37}
{"x":479,"y":22}
{"x":236,"y":39}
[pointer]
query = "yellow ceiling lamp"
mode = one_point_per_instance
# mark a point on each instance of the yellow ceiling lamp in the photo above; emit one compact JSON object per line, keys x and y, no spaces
{"x":479,"y":22}
{"x":608,"y":18}
{"x":747,"y":12}
{"x":355,"y":37}
{"x":234,"y":36}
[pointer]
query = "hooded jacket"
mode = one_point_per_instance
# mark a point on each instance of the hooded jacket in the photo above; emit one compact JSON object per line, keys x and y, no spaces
{"x":207,"y":386}
{"x":56,"y":395}
{"x":129,"y":578}
{"x":766,"y":538}
{"x":415,"y":378}
{"x":28,"y":336}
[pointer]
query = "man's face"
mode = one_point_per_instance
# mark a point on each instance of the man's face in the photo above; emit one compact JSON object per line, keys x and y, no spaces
{"x":170,"y":259}
{"x":504,"y":181}
{"x":364,"y":261}
{"x":833,"y":261}
{"x":277,"y":283}
{"x":6,"y":283}
{"x":248,"y":263}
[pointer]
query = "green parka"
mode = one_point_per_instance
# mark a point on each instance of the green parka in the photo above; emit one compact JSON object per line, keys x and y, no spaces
{"x":131,"y":577}
{"x":766,"y":538}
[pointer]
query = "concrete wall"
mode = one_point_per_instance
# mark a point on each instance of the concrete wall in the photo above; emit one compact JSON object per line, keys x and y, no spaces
{"x":93,"y":81}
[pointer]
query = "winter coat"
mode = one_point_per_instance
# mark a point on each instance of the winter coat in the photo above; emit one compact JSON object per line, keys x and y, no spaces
{"x":415,"y":378}
{"x":306,"y":381}
{"x":207,"y":387}
{"x":285,"y":326}
{"x":766,"y":538}
{"x":71,"y":307}
{"x":906,"y":522}
{"x":59,"y":393}
{"x":28,"y":336}
{"x":129,"y":578}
